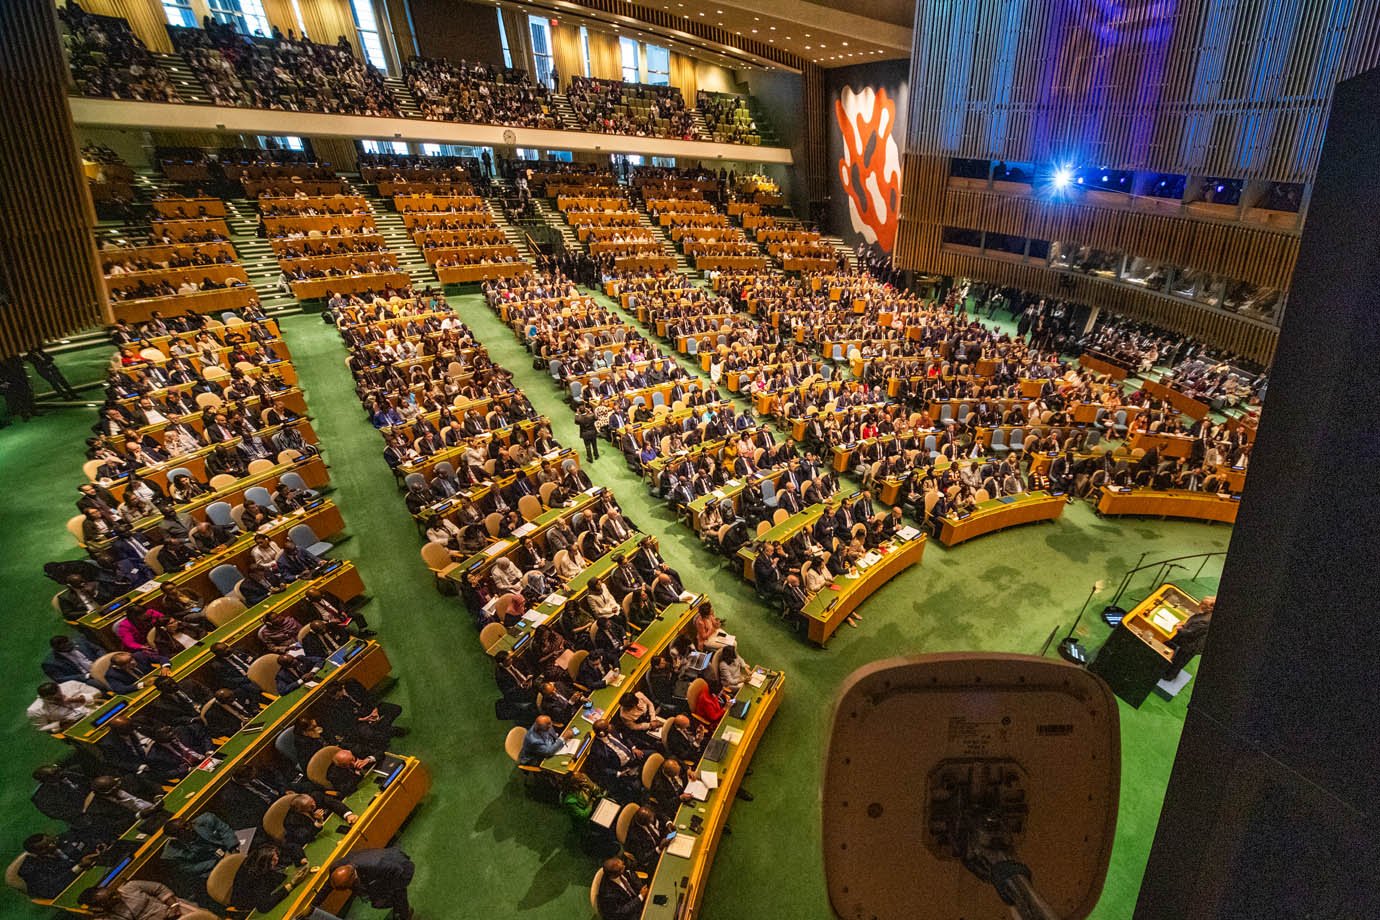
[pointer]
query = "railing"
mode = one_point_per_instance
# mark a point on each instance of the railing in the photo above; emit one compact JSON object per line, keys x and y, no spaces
{"x":1162,"y":570}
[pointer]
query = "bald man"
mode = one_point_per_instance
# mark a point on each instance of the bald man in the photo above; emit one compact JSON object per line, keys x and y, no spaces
{"x":347,"y":771}
{"x":620,"y":896}
{"x":379,"y":876}
{"x":542,"y":740}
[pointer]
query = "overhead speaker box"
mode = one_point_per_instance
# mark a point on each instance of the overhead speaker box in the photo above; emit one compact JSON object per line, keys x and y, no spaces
{"x":970,"y":787}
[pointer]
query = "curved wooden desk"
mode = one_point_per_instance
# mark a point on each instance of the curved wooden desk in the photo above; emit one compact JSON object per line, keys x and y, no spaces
{"x":679,"y":881}
{"x":1175,"y":503}
{"x":999,"y":514}
{"x":836,"y":601}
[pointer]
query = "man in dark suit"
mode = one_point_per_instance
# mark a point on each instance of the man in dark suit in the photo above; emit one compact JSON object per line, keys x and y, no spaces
{"x":70,"y":658}
{"x":379,"y":876}
{"x":60,"y":793}
{"x":615,"y":764}
{"x":788,"y":498}
{"x":50,"y":865}
{"x":620,"y":896}
{"x":230,"y":668}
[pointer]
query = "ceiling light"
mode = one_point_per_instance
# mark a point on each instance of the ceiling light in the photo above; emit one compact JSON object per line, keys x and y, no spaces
{"x":845,"y":44}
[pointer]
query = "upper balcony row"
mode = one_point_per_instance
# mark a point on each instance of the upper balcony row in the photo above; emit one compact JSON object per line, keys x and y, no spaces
{"x":223,"y":67}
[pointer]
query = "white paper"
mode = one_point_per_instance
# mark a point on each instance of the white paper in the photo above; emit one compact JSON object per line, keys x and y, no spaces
{"x":732,"y":735}
{"x":682,"y":846}
{"x":554,"y":599}
{"x":571,"y":745}
{"x":710,"y":779}
{"x":697,"y":790}
{"x":605,"y":813}
{"x":524,"y":530}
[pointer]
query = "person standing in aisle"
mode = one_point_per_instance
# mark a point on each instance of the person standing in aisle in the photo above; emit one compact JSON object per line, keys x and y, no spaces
{"x":584,"y":418}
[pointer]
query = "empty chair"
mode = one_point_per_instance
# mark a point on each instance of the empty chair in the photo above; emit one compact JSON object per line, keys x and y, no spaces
{"x":837,"y":353}
{"x":692,"y":346}
{"x":964,"y":410}
{"x":225,"y":577}
{"x":1119,"y":422}
{"x":931,"y":446}
{"x":554,"y":368}
{"x":219,"y":513}
{"x":1016,"y":440}
{"x":263,"y":673}
{"x":529,"y":506}
{"x":222,"y":610}
{"x":221,"y":481}
{"x":658,"y":398}
{"x":303,"y":536}
{"x":998,"y":444}
{"x":221,"y":881}
{"x":577,"y":390}
{"x":946,"y":414}
{"x":261,"y":465}
{"x":769,"y":493}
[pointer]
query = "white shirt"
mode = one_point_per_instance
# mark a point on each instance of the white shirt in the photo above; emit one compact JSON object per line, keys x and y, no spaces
{"x":53,"y":715}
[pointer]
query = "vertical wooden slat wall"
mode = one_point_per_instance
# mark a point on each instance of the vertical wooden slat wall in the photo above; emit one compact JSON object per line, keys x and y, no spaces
{"x":1201,"y":88}
{"x":49,"y":279}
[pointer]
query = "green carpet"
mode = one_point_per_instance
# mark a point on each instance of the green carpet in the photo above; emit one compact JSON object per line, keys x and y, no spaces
{"x":477,"y":835}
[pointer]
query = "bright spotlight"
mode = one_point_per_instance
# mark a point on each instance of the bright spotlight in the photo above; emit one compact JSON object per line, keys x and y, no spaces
{"x":1063,"y":177}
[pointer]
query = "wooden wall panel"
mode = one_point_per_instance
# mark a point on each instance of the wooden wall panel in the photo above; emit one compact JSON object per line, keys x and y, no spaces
{"x":1199,"y":87}
{"x":49,"y":279}
{"x":929,"y":205}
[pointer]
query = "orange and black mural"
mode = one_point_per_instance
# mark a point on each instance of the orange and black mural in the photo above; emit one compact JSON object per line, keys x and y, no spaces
{"x":865,"y":144}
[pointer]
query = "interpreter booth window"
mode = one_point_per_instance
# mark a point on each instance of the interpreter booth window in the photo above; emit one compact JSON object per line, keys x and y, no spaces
{"x":179,"y":13}
{"x":398,"y":147}
{"x":1146,"y":273}
{"x":367,"y":28}
{"x":244,"y":16}
{"x":281,"y":142}
{"x":543,"y":59}
{"x":658,"y":65}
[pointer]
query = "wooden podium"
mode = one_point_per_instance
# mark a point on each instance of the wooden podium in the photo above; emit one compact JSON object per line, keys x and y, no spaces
{"x":1137,"y":654}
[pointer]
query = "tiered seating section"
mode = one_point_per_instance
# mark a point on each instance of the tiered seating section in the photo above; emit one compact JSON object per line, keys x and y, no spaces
{"x":699,"y":227}
{"x":107,"y":59}
{"x":187,"y":265}
{"x":283,"y":74}
{"x":454,"y":227}
{"x":728,"y":118}
{"x":614,"y":107}
{"x":288,"y":74}
{"x":481,"y":94}
{"x":323,"y":234}
{"x":622,"y":632}
{"x":218,"y":665}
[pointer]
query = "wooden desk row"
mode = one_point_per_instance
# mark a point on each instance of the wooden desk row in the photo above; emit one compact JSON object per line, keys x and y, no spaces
{"x":1001,"y":513}
{"x":364,"y":661}
{"x":215,"y":301}
{"x":320,"y":288}
{"x":677,"y":886}
{"x":1169,"y":503}
{"x":340,"y":578}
